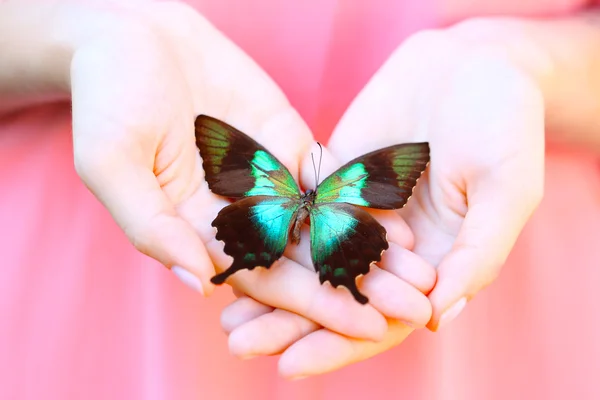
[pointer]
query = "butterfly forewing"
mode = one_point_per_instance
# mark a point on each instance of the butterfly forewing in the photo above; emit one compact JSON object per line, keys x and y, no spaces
{"x":381,"y":179}
{"x":255,"y":231}
{"x":237,"y":166}
{"x":345,"y":240}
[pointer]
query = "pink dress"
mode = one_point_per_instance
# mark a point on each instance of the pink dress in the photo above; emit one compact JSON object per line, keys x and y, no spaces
{"x":84,"y":316}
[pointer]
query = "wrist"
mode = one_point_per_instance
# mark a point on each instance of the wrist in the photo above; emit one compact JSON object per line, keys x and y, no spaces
{"x":561,"y":57}
{"x":39,"y":42}
{"x":508,"y":38}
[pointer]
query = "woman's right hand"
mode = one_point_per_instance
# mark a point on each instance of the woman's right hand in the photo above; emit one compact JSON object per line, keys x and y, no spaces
{"x":478,"y":92}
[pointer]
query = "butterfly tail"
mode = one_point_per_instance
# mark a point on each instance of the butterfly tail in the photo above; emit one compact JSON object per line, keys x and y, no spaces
{"x":349,"y":283}
{"x":362,"y":299}
{"x":219,"y":279}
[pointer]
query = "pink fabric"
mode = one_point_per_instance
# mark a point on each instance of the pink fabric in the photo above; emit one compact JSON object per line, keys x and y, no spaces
{"x":83,"y":315}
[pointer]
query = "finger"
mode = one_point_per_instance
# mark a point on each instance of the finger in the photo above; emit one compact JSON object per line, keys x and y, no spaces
{"x":485,"y":239}
{"x":409,"y":267}
{"x":241,"y":311}
{"x":134,"y":198}
{"x":289,"y":286}
{"x":272,"y":332}
{"x":269,"y":334}
{"x":325,"y":351}
{"x":395,"y":298}
{"x":259,"y":332}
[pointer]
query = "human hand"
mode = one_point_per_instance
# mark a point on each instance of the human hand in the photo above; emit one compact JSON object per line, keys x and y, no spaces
{"x":136,"y":90}
{"x":484,"y":120}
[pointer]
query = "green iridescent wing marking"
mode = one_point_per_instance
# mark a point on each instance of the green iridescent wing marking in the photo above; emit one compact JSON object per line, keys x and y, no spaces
{"x":255,"y":231}
{"x":382,"y":179}
{"x":345,"y":240}
{"x":237,"y":166}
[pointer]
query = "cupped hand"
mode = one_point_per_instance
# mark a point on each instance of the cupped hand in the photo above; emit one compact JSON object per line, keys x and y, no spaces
{"x":484,"y":120}
{"x":137,"y":86}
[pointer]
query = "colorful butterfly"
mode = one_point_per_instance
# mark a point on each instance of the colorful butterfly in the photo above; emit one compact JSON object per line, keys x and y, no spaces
{"x":269,"y":207}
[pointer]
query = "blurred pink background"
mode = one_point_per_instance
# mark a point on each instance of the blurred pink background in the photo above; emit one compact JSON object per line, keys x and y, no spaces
{"x":84,"y":316}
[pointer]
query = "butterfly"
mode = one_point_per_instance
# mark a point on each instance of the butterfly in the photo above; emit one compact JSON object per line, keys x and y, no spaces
{"x":269,"y":208}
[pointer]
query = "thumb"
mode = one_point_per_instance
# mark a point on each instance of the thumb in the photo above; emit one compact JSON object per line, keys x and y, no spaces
{"x":133,"y":196}
{"x":497,"y":213}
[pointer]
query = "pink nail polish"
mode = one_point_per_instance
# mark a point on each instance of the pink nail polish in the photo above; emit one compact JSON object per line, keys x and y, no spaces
{"x":452,"y":312}
{"x":188,"y":279}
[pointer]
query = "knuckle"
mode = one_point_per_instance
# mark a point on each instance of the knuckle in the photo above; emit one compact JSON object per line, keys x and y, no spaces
{"x":141,"y":239}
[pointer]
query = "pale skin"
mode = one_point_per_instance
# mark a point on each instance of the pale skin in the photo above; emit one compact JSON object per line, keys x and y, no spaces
{"x":481,"y":92}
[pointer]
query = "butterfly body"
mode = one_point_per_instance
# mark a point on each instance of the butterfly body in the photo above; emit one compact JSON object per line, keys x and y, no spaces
{"x":269,"y":209}
{"x":306,"y":202}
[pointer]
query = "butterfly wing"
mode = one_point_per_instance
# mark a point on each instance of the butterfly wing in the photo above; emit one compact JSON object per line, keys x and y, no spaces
{"x":255,"y":228}
{"x":255,"y":231}
{"x":381,"y":179}
{"x":345,"y":240}
{"x":237,"y":166}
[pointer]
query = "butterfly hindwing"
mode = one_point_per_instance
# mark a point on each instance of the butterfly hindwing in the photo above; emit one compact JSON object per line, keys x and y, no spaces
{"x":237,"y":166}
{"x":381,"y":179}
{"x":255,"y":231}
{"x":345,"y":240}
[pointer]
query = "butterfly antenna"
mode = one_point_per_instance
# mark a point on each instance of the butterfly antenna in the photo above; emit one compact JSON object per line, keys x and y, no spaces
{"x":320,"y":159}
{"x":315,"y":169}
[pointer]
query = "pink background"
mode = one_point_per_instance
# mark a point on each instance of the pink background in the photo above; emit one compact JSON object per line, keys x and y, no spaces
{"x":83,"y":315}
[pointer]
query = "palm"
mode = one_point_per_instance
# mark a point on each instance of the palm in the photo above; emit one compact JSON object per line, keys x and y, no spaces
{"x":484,"y":180}
{"x":135,"y":149}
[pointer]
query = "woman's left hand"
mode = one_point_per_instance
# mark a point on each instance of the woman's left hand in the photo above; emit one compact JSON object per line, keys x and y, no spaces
{"x":484,"y":121}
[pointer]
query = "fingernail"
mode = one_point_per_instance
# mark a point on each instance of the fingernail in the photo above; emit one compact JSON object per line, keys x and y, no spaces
{"x":188,"y":278}
{"x":409,"y":324}
{"x":452,"y":312}
{"x":248,"y":357}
